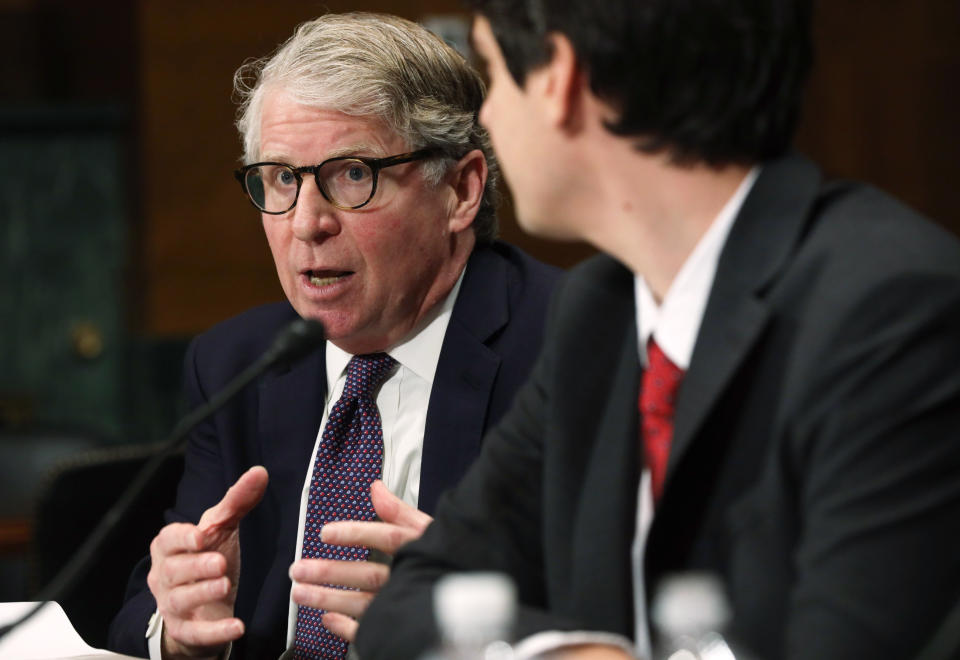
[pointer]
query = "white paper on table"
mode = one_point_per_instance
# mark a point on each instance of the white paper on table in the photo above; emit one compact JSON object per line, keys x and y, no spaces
{"x":48,"y":635}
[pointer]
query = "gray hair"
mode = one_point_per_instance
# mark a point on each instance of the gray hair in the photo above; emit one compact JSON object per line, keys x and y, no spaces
{"x":381,"y":66}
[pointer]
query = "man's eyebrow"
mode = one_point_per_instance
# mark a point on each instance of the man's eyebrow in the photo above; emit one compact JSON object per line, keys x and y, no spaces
{"x":358,"y":149}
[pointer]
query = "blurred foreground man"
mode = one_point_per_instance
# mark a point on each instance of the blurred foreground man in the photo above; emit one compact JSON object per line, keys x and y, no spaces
{"x":376,"y":187}
{"x":758,"y":379}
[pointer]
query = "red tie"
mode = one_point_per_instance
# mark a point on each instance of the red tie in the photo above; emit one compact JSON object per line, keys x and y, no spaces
{"x":658,"y":391}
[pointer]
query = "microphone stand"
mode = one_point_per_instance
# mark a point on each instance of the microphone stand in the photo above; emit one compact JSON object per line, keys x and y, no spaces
{"x":294,"y":342}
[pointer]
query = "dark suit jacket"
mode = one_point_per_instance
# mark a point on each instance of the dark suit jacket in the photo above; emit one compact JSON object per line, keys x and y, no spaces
{"x":494,"y":334}
{"x":816,"y":453}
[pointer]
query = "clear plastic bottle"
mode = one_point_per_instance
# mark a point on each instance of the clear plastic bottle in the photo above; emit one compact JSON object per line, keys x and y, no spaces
{"x":475,"y":614}
{"x":691,"y":613}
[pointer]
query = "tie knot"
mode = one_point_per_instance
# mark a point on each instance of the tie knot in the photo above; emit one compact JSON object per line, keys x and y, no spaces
{"x":366,"y":372}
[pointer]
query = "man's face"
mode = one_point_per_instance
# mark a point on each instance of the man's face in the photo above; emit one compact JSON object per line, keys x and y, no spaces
{"x":514,"y":123}
{"x":368,"y":275}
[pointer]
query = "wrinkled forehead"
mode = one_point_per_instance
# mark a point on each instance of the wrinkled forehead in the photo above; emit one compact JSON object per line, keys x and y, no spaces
{"x":292,"y":129}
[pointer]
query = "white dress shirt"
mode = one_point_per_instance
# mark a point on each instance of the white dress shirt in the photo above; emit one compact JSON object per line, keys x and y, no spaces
{"x":674,"y":323}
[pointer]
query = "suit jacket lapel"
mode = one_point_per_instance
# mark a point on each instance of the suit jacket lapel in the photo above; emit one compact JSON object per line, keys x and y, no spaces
{"x":766,"y":231}
{"x":291,"y":409}
{"x":608,"y":509}
{"x":464,"y":379}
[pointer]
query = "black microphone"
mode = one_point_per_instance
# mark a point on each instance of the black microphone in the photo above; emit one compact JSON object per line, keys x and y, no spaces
{"x":294,"y":342}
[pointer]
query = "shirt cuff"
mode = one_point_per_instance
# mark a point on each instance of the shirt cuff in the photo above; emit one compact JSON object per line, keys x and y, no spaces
{"x":155,"y":638}
{"x":552,"y":640}
{"x":155,"y":635}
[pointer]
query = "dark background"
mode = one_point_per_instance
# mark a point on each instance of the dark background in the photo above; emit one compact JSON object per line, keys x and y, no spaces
{"x":123,"y":232}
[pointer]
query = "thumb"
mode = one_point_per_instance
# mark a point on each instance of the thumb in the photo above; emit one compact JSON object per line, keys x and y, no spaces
{"x":238,"y":501}
{"x":390,"y":508}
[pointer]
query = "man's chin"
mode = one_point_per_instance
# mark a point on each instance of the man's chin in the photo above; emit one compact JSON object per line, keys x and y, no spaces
{"x":334,"y":327}
{"x":353,"y":342}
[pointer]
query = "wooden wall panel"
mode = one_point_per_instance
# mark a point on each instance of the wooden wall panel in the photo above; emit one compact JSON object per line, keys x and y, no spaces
{"x":883,"y":100}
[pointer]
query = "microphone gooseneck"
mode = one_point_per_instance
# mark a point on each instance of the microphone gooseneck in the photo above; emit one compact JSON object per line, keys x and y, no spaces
{"x":295,"y":342}
{"x":291,"y":344}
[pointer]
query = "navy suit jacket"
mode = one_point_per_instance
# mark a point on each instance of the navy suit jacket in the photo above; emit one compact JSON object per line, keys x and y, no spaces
{"x":493,"y":337}
{"x":815,"y":451}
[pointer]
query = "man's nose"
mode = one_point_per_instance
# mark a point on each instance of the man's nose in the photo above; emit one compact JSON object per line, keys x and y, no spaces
{"x":314,"y":218}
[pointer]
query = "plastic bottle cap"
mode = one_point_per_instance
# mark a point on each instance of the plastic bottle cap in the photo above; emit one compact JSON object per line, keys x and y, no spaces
{"x":691,"y":604}
{"x":475,"y":608}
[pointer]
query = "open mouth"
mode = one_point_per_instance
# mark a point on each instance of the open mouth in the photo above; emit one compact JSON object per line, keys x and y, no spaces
{"x":326,"y":277}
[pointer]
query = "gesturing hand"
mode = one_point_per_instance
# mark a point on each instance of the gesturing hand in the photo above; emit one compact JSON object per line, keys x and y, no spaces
{"x":195,"y":570}
{"x":399,"y":523}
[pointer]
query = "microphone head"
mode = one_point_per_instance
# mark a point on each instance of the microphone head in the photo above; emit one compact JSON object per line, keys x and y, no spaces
{"x":296,"y":341}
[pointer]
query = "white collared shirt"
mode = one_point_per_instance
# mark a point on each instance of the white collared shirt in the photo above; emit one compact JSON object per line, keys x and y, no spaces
{"x":675,"y":323}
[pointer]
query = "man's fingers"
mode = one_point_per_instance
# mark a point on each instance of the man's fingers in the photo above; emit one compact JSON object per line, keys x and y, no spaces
{"x":201,"y":634}
{"x":184,"y":568}
{"x":401,"y":523}
{"x":588,"y":652}
{"x":181,"y":601}
{"x":346,"y":601}
{"x":364,"y":575}
{"x":238,"y":500}
{"x":386,"y":537}
{"x":392,"y":509}
{"x":340,"y":625}
{"x":175,"y":538}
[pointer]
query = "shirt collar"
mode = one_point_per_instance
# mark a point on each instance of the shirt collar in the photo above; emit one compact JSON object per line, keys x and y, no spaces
{"x":676,"y":322}
{"x":419,"y":351}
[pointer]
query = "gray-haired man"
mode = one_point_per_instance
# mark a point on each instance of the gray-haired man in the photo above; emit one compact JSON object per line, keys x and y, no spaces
{"x":375,"y":185}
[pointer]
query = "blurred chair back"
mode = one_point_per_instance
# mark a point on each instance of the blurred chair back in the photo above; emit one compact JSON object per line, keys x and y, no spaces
{"x":77,"y":495}
{"x":26,"y":457}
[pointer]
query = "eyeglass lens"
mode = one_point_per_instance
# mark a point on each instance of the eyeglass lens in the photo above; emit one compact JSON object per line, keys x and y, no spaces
{"x":347,"y":183}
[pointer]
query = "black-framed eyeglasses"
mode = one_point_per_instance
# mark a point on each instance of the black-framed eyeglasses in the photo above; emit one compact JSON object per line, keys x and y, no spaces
{"x":347,"y":182}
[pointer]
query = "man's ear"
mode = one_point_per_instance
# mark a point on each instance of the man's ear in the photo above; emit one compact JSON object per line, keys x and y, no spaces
{"x":560,"y":83}
{"x":467,"y":180}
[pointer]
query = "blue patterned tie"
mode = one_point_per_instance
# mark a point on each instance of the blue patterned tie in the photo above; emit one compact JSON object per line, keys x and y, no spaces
{"x":348,"y":460}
